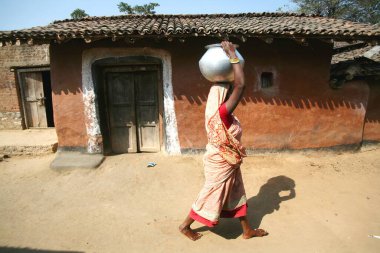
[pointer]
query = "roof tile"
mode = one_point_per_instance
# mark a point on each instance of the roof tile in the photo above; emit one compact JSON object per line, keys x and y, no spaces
{"x":249,"y":24}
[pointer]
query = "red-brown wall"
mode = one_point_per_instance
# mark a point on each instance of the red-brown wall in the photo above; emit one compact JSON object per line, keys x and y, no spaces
{"x":372,"y":119}
{"x":299,"y":111}
{"x":66,"y":69}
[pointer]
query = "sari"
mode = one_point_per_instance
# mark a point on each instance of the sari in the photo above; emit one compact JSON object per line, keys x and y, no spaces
{"x":223,"y":193}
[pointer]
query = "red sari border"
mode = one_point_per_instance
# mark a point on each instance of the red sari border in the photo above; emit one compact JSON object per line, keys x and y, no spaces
{"x":236,"y":213}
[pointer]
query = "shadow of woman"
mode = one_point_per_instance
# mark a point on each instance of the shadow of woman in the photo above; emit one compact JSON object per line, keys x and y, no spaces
{"x":268,"y":199}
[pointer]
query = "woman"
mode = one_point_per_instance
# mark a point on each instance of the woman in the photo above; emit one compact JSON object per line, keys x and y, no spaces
{"x":223,"y":193}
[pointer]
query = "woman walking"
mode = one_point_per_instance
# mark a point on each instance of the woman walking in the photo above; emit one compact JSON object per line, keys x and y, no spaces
{"x":223,"y":194}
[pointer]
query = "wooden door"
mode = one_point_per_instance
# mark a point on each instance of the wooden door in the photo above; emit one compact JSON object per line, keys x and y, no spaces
{"x":34,"y":99}
{"x":147,"y":111}
{"x":133,"y":110}
{"x":121,"y":107}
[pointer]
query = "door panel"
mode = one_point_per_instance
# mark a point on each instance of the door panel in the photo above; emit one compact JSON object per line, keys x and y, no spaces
{"x":121,"y":108}
{"x":34,"y":99}
{"x":147,"y":110}
{"x":132,"y":102}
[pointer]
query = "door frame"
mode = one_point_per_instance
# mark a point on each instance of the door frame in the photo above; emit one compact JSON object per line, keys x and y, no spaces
{"x":22,"y":91}
{"x":98,"y":70}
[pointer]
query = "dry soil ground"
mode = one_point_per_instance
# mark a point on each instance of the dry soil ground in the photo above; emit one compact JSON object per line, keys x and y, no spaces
{"x":125,"y":206}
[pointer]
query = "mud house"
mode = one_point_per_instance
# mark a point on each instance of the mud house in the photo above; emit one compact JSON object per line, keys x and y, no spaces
{"x":19,"y":65}
{"x":360,"y":61}
{"x":132,"y":84}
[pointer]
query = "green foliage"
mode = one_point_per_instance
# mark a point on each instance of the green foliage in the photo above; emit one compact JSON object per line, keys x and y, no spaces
{"x":78,"y":14}
{"x":284,"y":8}
{"x":124,"y":7}
{"x":327,"y":8}
{"x":366,"y":11}
{"x":137,"y":9}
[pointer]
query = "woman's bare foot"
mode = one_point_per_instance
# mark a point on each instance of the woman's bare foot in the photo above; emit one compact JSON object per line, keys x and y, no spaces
{"x":191,"y":234}
{"x":254,"y":233}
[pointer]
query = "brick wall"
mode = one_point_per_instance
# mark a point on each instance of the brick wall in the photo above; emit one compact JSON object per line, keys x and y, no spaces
{"x":16,"y":56}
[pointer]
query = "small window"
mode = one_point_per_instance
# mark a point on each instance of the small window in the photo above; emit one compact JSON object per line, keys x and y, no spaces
{"x":266,"y":79}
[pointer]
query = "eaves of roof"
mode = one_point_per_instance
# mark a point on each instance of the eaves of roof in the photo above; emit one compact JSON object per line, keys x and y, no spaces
{"x":242,"y":26}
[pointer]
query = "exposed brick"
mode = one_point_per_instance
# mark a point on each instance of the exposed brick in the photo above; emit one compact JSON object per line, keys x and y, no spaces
{"x":16,"y":56}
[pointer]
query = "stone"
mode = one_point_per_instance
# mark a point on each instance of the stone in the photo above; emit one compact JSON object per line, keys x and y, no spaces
{"x":76,"y":160}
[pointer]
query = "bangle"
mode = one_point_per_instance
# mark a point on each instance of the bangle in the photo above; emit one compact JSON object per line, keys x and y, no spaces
{"x":234,"y":60}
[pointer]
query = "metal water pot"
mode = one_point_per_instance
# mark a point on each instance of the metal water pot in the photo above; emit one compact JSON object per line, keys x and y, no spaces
{"x":215,"y":65}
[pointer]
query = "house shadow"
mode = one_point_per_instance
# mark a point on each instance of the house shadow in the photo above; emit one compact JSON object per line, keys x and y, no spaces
{"x":268,"y":199}
{"x":7,"y":249}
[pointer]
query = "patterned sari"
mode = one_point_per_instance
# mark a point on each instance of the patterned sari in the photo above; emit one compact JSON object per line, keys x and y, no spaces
{"x":223,"y":193}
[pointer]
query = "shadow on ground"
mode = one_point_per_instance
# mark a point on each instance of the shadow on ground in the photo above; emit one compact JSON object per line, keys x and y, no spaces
{"x":265,"y":202}
{"x":29,"y":250}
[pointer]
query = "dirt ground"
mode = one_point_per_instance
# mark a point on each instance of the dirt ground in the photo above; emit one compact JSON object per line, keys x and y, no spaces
{"x":125,"y":206}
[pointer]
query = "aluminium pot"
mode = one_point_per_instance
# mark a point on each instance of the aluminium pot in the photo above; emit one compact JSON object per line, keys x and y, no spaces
{"x":215,"y":65}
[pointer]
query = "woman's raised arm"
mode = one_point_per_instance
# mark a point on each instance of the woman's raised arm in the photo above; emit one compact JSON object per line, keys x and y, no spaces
{"x":238,"y":84}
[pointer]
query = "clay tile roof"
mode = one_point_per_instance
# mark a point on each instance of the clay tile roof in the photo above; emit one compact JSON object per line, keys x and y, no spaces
{"x":349,"y":55}
{"x":350,"y":52}
{"x":217,"y":25}
{"x":354,"y":60}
